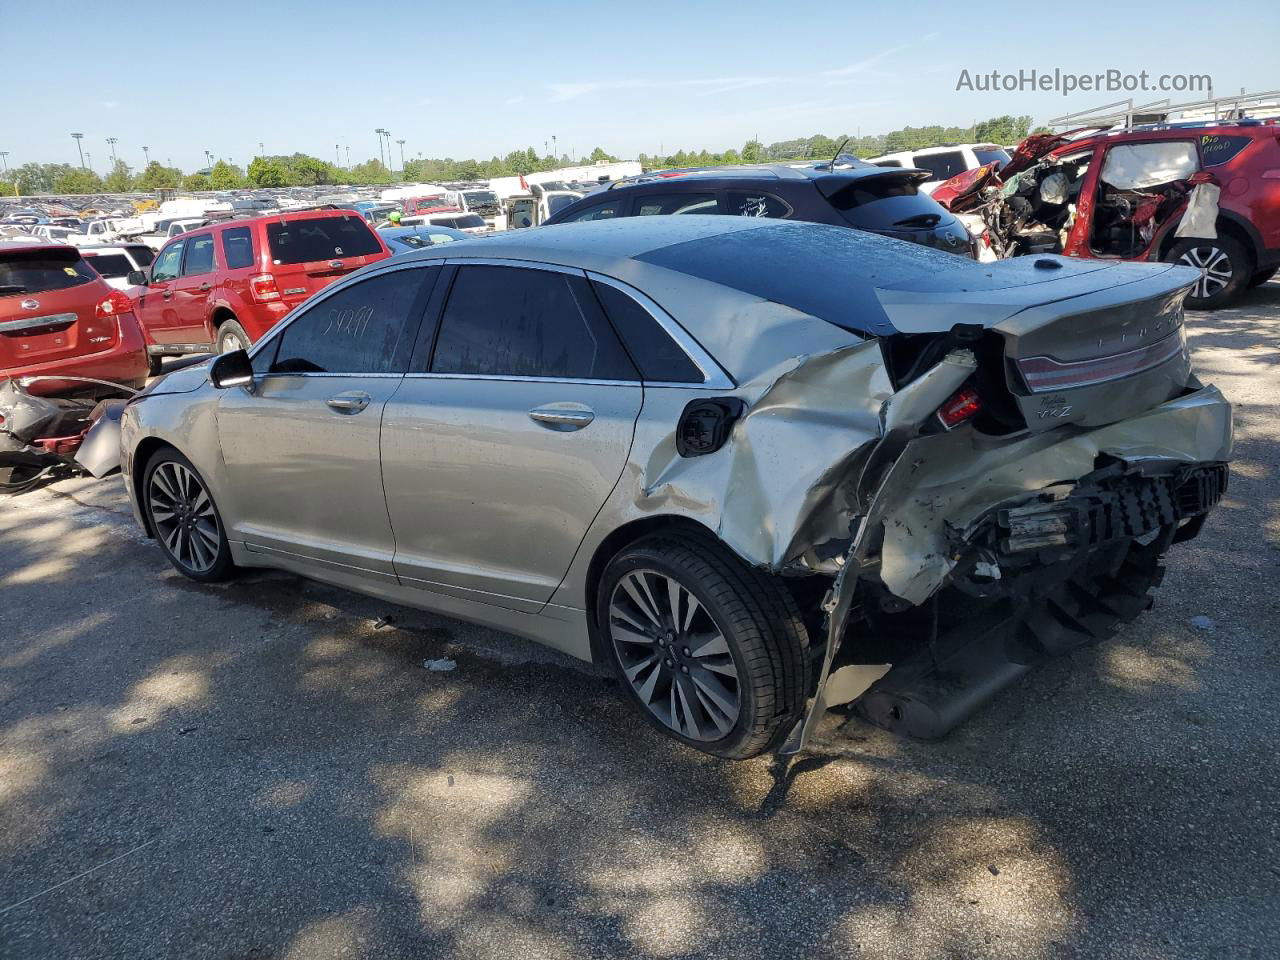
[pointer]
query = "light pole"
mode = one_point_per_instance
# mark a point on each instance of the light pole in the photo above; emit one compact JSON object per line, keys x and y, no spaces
{"x":111,"y":142}
{"x":262,"y":151}
{"x":555,"y":151}
{"x":4,"y":154}
{"x":401,"y":142}
{"x":78,"y":137}
{"x":348,"y":158}
{"x":387,"y":134}
{"x":209,"y":158}
{"x":146,"y":155}
{"x":379,"y":131}
{"x":337,"y":160}
{"x":89,"y":161}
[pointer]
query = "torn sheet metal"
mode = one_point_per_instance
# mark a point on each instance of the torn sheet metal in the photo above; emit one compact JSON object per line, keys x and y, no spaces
{"x":955,"y":477}
{"x":99,"y":452}
{"x":1201,"y":219}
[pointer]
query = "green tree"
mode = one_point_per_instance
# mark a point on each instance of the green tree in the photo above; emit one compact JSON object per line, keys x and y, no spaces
{"x":156,"y":177}
{"x":752,"y":151}
{"x":599,"y":156}
{"x":33,"y":178}
{"x":119,"y":180}
{"x":195,"y":181}
{"x":225,"y":176}
{"x":78,"y":181}
{"x":268,"y":173}
{"x":730,"y":156}
{"x":308,"y":171}
{"x":368,"y":173}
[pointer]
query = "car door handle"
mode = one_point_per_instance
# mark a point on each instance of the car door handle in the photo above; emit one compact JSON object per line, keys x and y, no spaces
{"x":206,"y":286}
{"x":562,"y":418}
{"x":167,"y":294}
{"x":353,"y":401}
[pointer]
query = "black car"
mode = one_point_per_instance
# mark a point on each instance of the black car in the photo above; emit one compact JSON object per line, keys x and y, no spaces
{"x":876,"y":199}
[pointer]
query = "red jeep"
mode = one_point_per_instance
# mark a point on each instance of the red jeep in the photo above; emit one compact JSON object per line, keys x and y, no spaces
{"x":223,"y":285}
{"x":1125,"y":194}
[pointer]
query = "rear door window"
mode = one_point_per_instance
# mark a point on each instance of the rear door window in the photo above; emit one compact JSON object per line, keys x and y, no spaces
{"x":237,"y":248}
{"x":321,"y":238}
{"x":519,"y":322}
{"x":660,"y":358}
{"x":746,"y":203}
{"x":199,"y":258}
{"x":1216,"y":149}
{"x":42,"y":273}
{"x":661,"y":204}
{"x":166,"y":265}
{"x":367,"y":327}
{"x":943,"y":165}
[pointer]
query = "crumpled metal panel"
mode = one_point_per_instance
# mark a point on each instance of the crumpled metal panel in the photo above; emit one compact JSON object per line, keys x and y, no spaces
{"x":955,"y":477}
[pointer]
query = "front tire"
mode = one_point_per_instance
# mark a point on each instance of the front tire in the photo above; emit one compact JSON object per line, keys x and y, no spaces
{"x":184,"y":518}
{"x":713,"y":653}
{"x":1225,"y":269}
{"x":231,"y":337}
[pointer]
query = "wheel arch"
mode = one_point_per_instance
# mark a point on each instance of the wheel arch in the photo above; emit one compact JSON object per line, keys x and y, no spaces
{"x":1228,"y":223}
{"x":147,"y":448}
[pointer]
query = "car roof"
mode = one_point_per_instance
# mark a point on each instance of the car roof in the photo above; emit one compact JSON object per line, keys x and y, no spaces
{"x":11,"y":247}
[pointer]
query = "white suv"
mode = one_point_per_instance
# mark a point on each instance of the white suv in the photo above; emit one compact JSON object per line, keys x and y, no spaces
{"x":944,"y":162}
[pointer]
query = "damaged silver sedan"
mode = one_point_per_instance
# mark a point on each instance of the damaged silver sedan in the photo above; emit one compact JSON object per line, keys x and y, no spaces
{"x":756,"y":468}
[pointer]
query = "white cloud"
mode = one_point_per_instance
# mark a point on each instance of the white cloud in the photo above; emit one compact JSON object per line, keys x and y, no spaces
{"x":867,"y":65}
{"x":110,"y":104}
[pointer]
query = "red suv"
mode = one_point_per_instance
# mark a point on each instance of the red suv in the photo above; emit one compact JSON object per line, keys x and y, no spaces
{"x":224,"y":285}
{"x":59,"y":318}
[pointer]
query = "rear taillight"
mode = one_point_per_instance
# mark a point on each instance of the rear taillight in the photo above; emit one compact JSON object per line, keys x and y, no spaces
{"x":115,"y":304}
{"x":964,"y":404}
{"x":263,"y":287}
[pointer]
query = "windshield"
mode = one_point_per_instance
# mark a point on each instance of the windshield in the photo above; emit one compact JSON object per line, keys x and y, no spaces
{"x":469,"y":220}
{"x":478,"y":197}
{"x":560,"y":201}
{"x":322,"y":238}
{"x":987,"y":155}
{"x":41,"y":272}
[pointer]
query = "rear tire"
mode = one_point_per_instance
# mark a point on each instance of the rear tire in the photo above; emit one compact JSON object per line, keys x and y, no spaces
{"x":1225,"y":269}
{"x":231,"y":337}
{"x":185,"y":520}
{"x":710,"y":651}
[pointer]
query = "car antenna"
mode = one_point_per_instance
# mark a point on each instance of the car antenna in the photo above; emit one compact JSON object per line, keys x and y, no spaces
{"x":836,"y":155}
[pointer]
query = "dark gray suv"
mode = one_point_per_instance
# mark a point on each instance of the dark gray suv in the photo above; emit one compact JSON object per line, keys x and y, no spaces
{"x":876,"y":199}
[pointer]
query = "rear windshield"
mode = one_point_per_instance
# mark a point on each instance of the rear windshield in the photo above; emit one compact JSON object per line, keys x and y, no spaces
{"x":470,"y":220}
{"x":142,"y":255}
{"x":111,"y":265}
{"x":986,"y":155}
{"x":324,"y":238}
{"x":888,"y":203}
{"x":42,"y":272}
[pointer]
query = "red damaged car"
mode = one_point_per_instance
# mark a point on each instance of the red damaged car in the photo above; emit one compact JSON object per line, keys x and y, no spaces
{"x":1202,"y":194}
{"x":59,"y":318}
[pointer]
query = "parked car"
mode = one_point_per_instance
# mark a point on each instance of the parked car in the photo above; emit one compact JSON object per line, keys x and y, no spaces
{"x":875,"y":199}
{"x":105,"y":230}
{"x":51,"y":234}
{"x":408,"y":239}
{"x":480,"y":201}
{"x":659,"y":443}
{"x":1200,"y":194}
{"x":59,"y":319}
{"x":114,"y":262}
{"x":166,"y":229}
{"x":453,"y":219}
{"x":223,"y":285}
{"x":944,"y":162}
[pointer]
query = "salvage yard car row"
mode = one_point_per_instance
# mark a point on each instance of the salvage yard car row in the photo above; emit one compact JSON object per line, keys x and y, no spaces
{"x":759,"y":440}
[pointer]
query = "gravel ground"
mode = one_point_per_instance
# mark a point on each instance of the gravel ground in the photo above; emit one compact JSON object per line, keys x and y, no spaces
{"x":264,"y":770}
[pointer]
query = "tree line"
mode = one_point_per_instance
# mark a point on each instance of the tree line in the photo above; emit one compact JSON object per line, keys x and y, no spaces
{"x":303,"y":170}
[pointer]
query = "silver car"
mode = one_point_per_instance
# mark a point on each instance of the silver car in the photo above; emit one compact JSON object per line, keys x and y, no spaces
{"x":756,"y":468}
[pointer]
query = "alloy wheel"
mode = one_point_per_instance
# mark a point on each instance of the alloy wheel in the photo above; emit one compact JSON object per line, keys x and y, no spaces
{"x":674,"y":655}
{"x":183,"y":515}
{"x":230,"y":343}
{"x":1215,"y":269}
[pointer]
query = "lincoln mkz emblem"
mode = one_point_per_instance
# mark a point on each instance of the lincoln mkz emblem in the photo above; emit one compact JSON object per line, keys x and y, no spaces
{"x":30,"y":304}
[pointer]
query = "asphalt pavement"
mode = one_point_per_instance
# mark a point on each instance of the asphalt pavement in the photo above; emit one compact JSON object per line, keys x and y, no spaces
{"x":266,"y":770}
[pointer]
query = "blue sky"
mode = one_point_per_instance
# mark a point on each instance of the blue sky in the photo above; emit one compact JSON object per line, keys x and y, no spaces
{"x":225,"y":76}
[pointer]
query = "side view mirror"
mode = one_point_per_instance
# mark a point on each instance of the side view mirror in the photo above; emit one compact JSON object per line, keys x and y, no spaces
{"x":136,"y":278}
{"x":231,"y":370}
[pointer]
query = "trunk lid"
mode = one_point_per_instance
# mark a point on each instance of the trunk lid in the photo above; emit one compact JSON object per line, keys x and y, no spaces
{"x":1081,"y":343}
{"x":48,"y":307}
{"x":306,"y":254}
